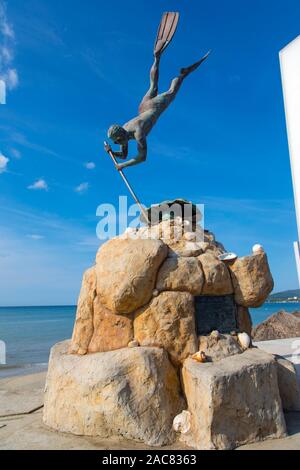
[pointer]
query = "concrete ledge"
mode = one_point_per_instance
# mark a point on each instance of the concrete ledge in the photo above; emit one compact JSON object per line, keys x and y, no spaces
{"x":287,"y":348}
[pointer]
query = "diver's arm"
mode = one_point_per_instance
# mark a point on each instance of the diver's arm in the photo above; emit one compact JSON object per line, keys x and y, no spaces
{"x":141,"y":156}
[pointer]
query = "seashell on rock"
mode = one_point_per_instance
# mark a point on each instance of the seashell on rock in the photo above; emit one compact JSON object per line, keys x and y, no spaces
{"x":215,"y":334}
{"x":155,"y":293}
{"x":182,"y":422}
{"x":244,"y":340}
{"x":227,"y":257}
{"x":258,"y":249}
{"x":133,"y":344}
{"x":130,"y":232}
{"x":199,"y":357}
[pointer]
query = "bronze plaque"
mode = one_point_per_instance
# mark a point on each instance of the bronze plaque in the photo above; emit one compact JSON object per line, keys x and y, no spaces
{"x":215,"y":313}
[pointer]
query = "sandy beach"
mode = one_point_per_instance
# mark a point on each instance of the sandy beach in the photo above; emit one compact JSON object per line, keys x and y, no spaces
{"x":21,"y":426}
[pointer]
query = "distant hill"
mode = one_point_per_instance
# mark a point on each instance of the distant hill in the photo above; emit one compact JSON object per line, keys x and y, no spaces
{"x":285,"y":294}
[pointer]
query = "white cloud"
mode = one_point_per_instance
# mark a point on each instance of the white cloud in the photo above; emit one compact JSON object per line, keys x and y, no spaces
{"x":7,"y":50}
{"x":39,"y":185}
{"x":12,"y":79}
{"x":5,"y":28}
{"x":34,"y":236}
{"x":6,"y":54}
{"x":3,"y":163}
{"x":82,"y":188}
{"x":90,"y":165}
{"x":16,"y":153}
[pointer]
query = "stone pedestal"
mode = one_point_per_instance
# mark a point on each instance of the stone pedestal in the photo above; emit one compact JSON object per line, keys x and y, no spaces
{"x":133,"y":393}
{"x":144,"y":290}
{"x":233,"y":401}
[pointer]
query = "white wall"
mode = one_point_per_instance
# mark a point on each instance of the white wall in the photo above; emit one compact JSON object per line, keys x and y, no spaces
{"x":290,"y":73}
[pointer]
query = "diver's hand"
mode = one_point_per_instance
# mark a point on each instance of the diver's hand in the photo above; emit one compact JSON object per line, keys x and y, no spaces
{"x":107,"y":147}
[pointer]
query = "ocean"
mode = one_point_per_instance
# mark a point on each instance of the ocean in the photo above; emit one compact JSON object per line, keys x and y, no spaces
{"x":30,"y":332}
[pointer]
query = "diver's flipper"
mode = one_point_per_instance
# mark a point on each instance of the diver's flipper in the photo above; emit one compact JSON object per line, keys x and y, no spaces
{"x":166,"y":31}
{"x":187,"y":70}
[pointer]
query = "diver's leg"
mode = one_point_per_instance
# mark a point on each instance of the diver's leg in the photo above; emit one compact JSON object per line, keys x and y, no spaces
{"x":176,"y":83}
{"x":162,"y":101}
{"x":154,"y":77}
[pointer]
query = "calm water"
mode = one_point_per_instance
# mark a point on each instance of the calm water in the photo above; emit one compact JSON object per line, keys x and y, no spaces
{"x":29,"y":333}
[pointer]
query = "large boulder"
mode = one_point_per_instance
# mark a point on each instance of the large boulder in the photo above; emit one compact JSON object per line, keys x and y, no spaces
{"x":126,"y":272}
{"x":252,"y":280}
{"x":133,"y":393}
{"x":233,"y":402}
{"x":111,"y":331}
{"x":168,"y":322}
{"x":289,"y":387}
{"x":181,"y":274}
{"x":217,"y":279}
{"x":84,"y":324}
{"x":217,"y":346}
{"x":281,"y":325}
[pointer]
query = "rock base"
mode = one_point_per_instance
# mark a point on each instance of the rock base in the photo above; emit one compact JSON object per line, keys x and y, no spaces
{"x":233,"y":401}
{"x":132,"y":392}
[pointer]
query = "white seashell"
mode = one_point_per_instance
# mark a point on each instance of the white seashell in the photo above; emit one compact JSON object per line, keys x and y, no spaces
{"x":182,"y":422}
{"x":190,"y":236}
{"x":215,"y":334}
{"x":130,"y":232}
{"x":258,"y":249}
{"x":227,"y":257}
{"x":244,"y":340}
{"x":200,"y":356}
{"x":155,"y":293}
{"x":133,"y":344}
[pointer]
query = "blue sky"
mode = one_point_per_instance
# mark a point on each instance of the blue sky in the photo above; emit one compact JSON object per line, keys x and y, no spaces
{"x":74,"y":67}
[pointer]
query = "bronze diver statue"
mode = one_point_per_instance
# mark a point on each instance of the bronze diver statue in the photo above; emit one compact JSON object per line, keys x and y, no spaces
{"x":153,"y":104}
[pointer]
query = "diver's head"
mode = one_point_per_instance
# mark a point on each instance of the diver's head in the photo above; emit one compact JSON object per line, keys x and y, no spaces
{"x":118,"y":134}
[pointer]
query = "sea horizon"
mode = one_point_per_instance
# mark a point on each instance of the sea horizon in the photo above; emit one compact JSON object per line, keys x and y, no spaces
{"x":29,"y":332}
{"x":75,"y":305}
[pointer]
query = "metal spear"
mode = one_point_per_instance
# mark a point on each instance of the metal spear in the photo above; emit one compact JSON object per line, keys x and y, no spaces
{"x":108,"y":149}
